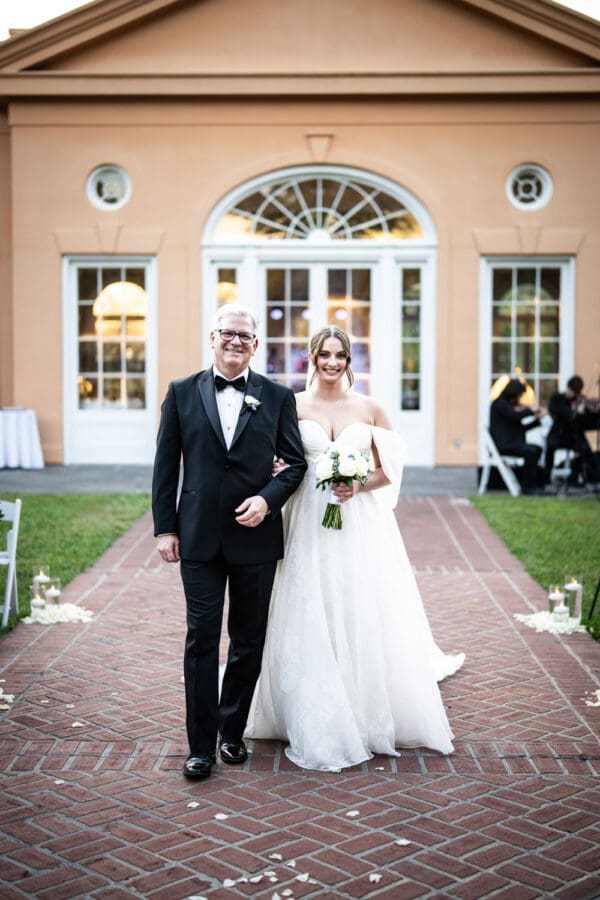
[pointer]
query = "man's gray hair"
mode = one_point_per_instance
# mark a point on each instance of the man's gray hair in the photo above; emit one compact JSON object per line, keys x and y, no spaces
{"x":234,"y":309}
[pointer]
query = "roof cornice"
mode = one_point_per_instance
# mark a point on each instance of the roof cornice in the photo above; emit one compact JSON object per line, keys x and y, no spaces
{"x":97,"y":20}
{"x":547,"y":19}
{"x":40,"y":85}
{"x":75,"y":29}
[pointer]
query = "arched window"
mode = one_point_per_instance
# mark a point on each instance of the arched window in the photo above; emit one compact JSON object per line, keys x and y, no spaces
{"x":320,"y":205}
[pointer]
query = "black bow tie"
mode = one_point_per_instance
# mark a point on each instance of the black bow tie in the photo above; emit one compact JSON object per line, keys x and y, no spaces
{"x":238,"y":383}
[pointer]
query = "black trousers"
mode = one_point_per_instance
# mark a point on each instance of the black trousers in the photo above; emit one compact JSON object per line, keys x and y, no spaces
{"x":577,"y":442}
{"x":250,"y":587}
{"x":531,"y":454}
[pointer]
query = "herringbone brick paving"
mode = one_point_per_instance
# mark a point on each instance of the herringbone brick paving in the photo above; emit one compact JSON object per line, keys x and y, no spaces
{"x":100,"y":809}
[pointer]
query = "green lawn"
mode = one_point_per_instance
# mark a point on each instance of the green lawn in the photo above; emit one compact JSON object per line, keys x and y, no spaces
{"x":69,"y":532}
{"x":554,"y":537}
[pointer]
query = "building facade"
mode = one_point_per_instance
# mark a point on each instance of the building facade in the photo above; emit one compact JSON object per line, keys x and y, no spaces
{"x":422,"y":172}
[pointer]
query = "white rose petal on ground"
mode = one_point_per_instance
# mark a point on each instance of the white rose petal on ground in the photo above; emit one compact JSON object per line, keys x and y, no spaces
{"x":77,"y":724}
{"x":292,"y":863}
{"x":375,"y":878}
{"x":69,"y":706}
{"x":255,"y":879}
{"x":287,"y":893}
{"x":275,"y":856}
{"x":193,"y":804}
{"x":229,"y":882}
{"x":303,"y":877}
{"x":59,"y":781}
{"x":221,"y":816}
{"x":353,"y":813}
{"x":5,"y":706}
{"x":403,"y":842}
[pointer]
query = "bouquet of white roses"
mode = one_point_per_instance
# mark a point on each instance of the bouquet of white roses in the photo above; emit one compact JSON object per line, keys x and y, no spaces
{"x":339,"y":465}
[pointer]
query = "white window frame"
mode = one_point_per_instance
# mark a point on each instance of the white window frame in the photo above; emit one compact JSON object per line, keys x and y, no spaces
{"x":567,"y":323}
{"x":116,"y":418}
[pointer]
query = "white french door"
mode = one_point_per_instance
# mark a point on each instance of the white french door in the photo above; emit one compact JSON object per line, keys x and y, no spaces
{"x":109,"y":360}
{"x":384,"y":301}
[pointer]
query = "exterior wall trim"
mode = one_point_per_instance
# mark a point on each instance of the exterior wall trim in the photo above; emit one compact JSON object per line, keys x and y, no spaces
{"x":558,"y":82}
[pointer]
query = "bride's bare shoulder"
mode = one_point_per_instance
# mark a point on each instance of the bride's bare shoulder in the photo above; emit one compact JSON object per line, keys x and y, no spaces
{"x":302,"y":402}
{"x":375,"y":412}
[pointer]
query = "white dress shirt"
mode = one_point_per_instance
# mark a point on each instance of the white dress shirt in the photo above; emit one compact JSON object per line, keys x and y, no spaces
{"x":229,"y":404}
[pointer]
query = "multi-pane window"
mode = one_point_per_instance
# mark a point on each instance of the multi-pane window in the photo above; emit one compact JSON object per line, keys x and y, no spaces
{"x":112,"y":312}
{"x":287,"y":326}
{"x":349,"y":307}
{"x":227,"y":286}
{"x":526,"y":314}
{"x":410,"y":339}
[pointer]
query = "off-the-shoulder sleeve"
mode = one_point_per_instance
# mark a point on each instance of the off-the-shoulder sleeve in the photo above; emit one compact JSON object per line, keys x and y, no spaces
{"x":392,"y":454}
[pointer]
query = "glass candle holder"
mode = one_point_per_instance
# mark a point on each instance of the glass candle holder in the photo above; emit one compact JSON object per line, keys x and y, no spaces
{"x":36,"y":600}
{"x":555,"y":596}
{"x":52,"y":591}
{"x":574,"y":591}
{"x":561,"y":613}
{"x":41,"y":576}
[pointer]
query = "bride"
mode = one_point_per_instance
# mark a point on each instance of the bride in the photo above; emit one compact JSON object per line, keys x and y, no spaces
{"x":350,"y":667}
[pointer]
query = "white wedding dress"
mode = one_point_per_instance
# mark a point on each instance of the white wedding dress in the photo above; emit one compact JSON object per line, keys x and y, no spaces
{"x":350,"y":667}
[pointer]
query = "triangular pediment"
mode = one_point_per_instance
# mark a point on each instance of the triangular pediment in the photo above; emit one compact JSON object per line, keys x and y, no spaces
{"x":328,"y":37}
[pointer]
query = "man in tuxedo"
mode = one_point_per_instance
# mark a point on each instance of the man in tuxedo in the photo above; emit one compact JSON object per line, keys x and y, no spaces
{"x":570,"y":419}
{"x":227,"y":424}
{"x":509,"y":422}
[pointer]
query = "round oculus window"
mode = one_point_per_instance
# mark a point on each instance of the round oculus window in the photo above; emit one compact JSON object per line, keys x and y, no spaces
{"x":108,"y":187}
{"x":529,"y":186}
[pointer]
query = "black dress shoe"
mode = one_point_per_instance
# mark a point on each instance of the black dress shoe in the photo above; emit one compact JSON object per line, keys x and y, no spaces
{"x":198,"y":766}
{"x":233,"y":752}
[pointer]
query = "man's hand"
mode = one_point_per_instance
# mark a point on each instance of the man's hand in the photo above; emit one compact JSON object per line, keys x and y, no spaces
{"x":168,"y":547}
{"x":251,"y":512}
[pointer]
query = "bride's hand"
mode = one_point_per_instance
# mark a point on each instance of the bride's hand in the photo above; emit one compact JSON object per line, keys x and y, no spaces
{"x":343,"y":492}
{"x":278,"y":466}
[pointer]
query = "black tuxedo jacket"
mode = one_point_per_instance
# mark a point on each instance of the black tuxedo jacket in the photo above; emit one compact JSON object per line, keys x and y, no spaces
{"x":216,"y":480}
{"x":566,"y":423}
{"x":506,"y":424}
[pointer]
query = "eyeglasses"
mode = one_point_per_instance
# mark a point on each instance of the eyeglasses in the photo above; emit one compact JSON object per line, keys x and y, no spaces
{"x":227,"y":335}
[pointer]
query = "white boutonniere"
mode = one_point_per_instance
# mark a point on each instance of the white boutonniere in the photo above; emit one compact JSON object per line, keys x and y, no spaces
{"x":251,"y":402}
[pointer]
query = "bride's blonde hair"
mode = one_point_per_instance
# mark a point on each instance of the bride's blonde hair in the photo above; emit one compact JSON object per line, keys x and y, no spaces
{"x":316,"y":345}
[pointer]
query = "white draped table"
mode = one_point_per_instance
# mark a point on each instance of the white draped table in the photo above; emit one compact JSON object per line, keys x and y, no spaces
{"x":20,"y":445}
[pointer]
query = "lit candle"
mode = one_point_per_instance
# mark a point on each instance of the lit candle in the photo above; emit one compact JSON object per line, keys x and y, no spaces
{"x":41,"y":577}
{"x":561,"y":612}
{"x":53,"y":593}
{"x":555,"y":596}
{"x":36,"y":600}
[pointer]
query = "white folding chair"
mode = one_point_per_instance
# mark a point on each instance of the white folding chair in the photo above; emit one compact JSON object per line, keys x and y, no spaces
{"x":504,"y":464}
{"x":11,"y":512}
{"x":562,"y":468}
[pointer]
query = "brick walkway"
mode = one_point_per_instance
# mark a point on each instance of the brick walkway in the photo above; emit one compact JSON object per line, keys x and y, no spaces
{"x":102,"y":811}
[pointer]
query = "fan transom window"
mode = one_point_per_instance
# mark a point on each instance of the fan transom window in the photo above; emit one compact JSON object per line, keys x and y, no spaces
{"x":318,"y":209}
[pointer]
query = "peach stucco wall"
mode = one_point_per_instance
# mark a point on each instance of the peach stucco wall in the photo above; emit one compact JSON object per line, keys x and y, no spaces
{"x":183,"y":157}
{"x":6,"y":324}
{"x":228,"y":36}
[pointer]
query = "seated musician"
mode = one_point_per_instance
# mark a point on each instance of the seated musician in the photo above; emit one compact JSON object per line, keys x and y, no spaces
{"x":510,"y":420}
{"x":571,"y":416}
